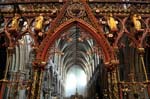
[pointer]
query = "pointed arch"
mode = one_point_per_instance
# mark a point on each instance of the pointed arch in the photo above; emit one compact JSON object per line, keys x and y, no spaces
{"x":51,"y":37}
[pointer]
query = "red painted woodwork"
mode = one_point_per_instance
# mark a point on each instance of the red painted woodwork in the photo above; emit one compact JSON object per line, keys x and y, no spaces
{"x":49,"y":40}
{"x":94,"y":29}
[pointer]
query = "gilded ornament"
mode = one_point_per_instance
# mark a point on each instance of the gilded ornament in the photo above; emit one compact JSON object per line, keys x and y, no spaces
{"x":112,"y":23}
{"x":39,"y":23}
{"x":15,"y":22}
{"x":136,"y":21}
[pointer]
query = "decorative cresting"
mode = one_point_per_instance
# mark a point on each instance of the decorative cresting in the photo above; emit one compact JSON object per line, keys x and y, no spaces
{"x":75,"y":12}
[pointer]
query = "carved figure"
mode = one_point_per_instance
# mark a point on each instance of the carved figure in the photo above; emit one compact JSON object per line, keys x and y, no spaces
{"x":136,"y":21}
{"x":39,"y":23}
{"x":15,"y":22}
{"x":112,"y":23}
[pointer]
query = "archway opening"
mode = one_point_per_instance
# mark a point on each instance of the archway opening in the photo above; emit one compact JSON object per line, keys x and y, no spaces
{"x":75,"y":60}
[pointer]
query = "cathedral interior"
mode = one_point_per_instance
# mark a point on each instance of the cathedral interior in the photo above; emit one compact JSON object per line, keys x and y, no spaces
{"x":74,"y":49}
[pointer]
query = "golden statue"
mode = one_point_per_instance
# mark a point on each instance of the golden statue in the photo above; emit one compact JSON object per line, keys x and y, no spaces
{"x":136,"y":21}
{"x":112,"y":23}
{"x":39,"y":23}
{"x":15,"y":22}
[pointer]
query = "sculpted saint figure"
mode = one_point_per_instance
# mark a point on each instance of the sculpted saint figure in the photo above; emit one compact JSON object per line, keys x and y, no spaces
{"x":136,"y":21}
{"x":39,"y":23}
{"x":15,"y":22}
{"x":112,"y":23}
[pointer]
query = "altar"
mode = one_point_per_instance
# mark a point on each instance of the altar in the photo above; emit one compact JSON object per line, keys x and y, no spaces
{"x":76,"y":96}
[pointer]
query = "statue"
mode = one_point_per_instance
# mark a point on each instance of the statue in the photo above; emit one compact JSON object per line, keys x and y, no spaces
{"x":112,"y":23}
{"x":15,"y":23}
{"x":136,"y":21}
{"x":39,"y":23}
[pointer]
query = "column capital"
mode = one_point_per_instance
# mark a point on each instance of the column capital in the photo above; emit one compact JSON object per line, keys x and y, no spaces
{"x":116,"y":49}
{"x":4,"y":81}
{"x":35,"y":47}
{"x":39,"y":63}
{"x":111,"y":65}
{"x":141,"y":50}
{"x":10,"y":49}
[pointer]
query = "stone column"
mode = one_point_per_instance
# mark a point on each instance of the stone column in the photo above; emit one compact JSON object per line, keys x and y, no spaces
{"x":34,"y":83}
{"x":141,"y":52}
{"x":113,"y":79}
{"x":38,"y":67}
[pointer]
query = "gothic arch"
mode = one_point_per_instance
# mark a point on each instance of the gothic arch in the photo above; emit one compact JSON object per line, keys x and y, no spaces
{"x":51,"y":37}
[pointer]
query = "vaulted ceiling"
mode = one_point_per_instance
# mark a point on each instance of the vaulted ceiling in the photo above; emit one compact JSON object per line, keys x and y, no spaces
{"x":76,"y":47}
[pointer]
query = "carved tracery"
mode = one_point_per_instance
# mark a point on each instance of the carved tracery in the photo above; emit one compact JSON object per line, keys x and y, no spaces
{"x":112,"y":24}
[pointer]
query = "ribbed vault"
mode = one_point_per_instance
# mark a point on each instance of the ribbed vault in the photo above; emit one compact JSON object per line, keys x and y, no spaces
{"x":75,"y":46}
